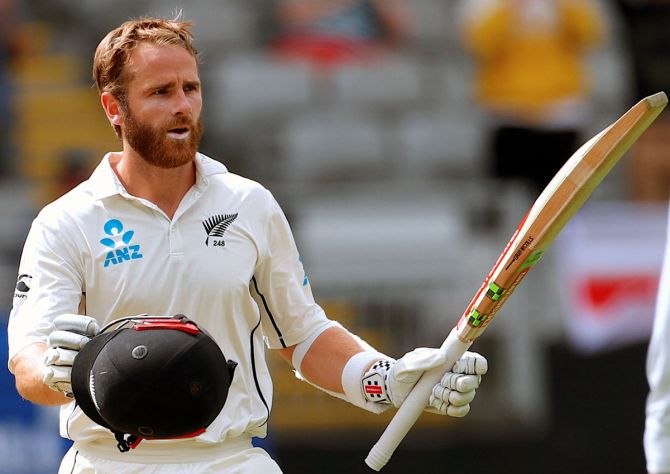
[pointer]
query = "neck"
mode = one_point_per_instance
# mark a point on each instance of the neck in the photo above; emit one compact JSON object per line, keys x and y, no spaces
{"x":165,"y":187}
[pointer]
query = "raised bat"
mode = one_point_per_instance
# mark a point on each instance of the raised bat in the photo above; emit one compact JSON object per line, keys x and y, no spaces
{"x":559,"y":201}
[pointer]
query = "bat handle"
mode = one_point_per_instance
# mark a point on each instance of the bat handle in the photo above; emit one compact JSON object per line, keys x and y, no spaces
{"x":414,"y":404}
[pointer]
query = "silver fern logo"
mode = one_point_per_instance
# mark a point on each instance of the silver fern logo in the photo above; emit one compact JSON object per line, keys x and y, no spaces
{"x":216,"y":226}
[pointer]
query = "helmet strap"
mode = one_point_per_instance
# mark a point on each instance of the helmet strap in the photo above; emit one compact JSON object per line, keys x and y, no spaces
{"x":126,"y":442}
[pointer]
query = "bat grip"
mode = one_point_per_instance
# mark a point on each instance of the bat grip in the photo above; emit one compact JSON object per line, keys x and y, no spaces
{"x":414,"y":404}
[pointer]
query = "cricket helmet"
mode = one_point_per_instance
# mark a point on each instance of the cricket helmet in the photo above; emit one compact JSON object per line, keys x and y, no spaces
{"x":151,"y":378}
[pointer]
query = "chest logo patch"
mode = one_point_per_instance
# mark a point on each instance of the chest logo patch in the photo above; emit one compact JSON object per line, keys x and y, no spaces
{"x":120,"y":243}
{"x":216,"y":226}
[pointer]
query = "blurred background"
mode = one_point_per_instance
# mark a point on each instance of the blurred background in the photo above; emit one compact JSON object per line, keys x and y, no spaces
{"x":405,"y":140}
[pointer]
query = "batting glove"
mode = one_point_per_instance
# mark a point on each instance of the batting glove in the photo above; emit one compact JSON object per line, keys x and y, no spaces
{"x":390,"y":382}
{"x":72,"y":332}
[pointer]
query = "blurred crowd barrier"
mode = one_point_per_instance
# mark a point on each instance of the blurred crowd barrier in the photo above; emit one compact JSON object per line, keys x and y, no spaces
{"x":375,"y":144}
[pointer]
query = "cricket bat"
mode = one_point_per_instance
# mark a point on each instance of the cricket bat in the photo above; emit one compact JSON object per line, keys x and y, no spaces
{"x":559,"y":201}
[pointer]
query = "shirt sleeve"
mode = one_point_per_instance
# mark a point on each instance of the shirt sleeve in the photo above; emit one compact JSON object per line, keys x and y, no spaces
{"x":281,"y":287}
{"x":49,"y":284}
{"x":657,"y":425}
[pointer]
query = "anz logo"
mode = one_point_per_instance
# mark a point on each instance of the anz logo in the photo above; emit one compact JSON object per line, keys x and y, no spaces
{"x":120,"y":244}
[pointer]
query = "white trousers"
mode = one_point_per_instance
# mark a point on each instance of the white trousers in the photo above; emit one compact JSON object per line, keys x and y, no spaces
{"x":241,"y":458}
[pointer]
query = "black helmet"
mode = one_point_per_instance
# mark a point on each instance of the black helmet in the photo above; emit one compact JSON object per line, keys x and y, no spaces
{"x":151,"y":378}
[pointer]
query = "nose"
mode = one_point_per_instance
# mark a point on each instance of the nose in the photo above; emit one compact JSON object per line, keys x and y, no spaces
{"x":181,"y":104}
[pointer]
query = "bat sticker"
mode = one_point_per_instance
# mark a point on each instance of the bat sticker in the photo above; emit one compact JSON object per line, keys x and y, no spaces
{"x":476,"y":319}
{"x":520,"y":251}
{"x":495,"y":292}
{"x":533,"y":259}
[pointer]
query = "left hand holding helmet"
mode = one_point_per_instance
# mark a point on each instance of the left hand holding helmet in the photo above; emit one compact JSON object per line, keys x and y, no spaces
{"x":72,"y":332}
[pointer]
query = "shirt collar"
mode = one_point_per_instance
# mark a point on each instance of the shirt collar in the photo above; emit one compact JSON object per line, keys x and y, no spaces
{"x":105,"y":183}
{"x":206,"y":167}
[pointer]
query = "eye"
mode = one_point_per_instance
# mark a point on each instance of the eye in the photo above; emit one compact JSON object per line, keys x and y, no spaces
{"x":191,"y":88}
{"x":161,"y":91}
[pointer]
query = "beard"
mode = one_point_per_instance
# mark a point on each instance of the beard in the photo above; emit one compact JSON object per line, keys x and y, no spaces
{"x":159,"y":149}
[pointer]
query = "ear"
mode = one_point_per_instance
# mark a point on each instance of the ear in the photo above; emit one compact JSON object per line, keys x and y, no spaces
{"x":112,"y":108}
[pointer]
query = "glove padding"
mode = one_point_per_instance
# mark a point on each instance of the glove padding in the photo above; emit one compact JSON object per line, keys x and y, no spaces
{"x":72,"y":333}
{"x":457,"y":388}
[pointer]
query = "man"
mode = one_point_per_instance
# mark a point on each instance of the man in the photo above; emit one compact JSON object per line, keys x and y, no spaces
{"x":531,"y":80}
{"x":657,"y":424}
{"x":162,"y":229}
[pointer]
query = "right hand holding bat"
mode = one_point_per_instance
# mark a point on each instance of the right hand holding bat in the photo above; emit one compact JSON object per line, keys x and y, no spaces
{"x":389,"y":381}
{"x":72,"y":332}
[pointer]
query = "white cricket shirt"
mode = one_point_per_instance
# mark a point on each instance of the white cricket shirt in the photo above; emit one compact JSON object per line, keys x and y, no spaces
{"x":657,"y":424}
{"x":227,"y":260}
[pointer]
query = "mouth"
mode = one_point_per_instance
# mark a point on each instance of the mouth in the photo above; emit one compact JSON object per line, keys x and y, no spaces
{"x":179,"y":133}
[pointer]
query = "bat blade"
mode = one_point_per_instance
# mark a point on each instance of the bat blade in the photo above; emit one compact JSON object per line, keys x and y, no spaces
{"x":559,"y":201}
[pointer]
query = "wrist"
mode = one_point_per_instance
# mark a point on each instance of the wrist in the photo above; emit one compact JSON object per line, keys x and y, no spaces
{"x":355,"y":375}
{"x":374,"y":383}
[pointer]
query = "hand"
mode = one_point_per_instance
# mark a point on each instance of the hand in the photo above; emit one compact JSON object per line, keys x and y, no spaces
{"x":451,"y":396}
{"x":72,"y":332}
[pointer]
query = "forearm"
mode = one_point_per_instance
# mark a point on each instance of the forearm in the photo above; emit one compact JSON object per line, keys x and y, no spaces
{"x":346,"y":367}
{"x":27,"y":369}
{"x":325,"y":360}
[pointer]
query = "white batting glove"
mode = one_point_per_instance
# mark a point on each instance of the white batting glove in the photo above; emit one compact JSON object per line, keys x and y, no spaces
{"x":390,"y":382}
{"x":72,"y":332}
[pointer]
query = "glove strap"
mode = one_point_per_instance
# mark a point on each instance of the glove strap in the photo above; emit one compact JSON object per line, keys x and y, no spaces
{"x":373,"y":383}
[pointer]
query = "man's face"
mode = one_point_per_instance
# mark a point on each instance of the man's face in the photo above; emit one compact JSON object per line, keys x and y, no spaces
{"x":162,"y":117}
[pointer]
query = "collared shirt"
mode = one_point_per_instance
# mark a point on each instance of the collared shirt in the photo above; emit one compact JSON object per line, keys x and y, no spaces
{"x":226,"y":260}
